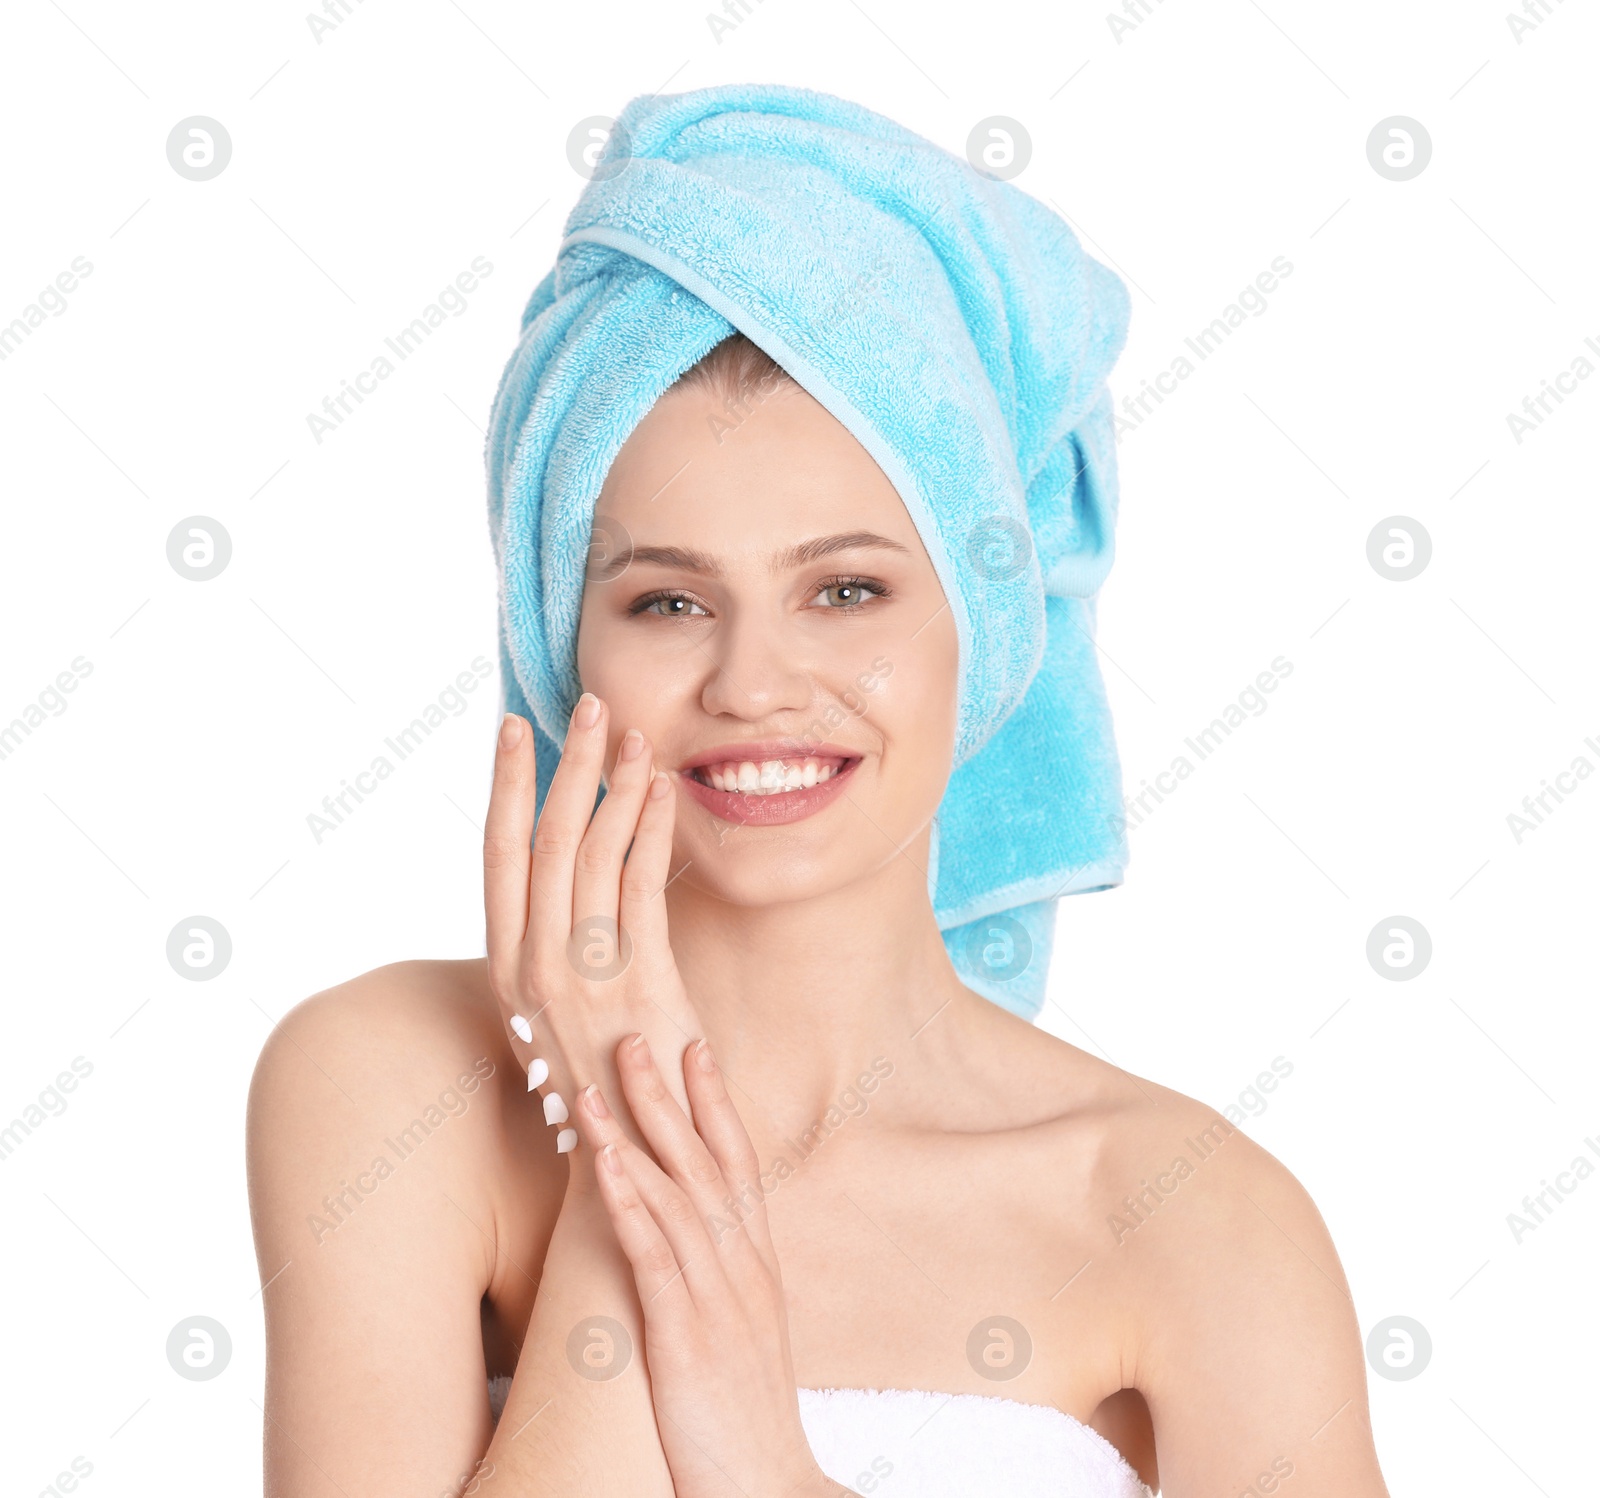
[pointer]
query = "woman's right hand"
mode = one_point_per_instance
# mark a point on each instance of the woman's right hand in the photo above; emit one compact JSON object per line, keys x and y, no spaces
{"x":576,"y":922}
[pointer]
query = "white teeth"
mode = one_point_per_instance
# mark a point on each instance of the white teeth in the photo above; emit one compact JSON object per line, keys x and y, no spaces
{"x":771,"y":777}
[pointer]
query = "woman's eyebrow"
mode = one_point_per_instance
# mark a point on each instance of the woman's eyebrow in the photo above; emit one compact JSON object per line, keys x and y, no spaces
{"x":825,"y":546}
{"x":687,"y":559}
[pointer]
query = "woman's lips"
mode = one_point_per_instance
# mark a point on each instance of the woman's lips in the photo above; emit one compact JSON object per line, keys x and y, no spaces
{"x":787,"y":797}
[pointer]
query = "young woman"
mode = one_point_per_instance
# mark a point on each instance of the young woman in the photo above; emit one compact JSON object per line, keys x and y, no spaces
{"x":713,"y":1170}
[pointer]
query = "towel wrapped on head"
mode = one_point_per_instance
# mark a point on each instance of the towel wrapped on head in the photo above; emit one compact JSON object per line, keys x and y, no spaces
{"x":956,"y":327}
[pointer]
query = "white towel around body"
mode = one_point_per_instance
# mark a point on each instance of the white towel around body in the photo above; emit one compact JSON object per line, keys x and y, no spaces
{"x":906,"y":1443}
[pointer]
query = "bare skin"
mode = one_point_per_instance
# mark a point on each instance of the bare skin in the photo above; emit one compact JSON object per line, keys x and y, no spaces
{"x":1211,"y":1337}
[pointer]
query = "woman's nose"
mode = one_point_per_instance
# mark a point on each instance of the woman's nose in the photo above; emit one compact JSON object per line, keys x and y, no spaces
{"x":755,"y":669}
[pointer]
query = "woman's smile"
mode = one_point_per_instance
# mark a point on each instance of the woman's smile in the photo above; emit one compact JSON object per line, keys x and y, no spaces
{"x":766,"y":783}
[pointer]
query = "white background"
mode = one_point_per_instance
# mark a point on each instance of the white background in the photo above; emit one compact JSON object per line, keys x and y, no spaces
{"x":372,"y":167}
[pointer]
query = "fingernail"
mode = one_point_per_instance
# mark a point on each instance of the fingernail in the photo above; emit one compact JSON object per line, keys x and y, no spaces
{"x":660,"y":785}
{"x":703,"y":1058}
{"x":510,"y":731}
{"x":594,"y":1102}
{"x":587,"y":713}
{"x":613,"y":1159}
{"x":636,"y":1048}
{"x":522,"y":1029}
{"x":538,"y":1072}
{"x":632,"y":743}
{"x":566,"y":1141}
{"x":555,"y":1111}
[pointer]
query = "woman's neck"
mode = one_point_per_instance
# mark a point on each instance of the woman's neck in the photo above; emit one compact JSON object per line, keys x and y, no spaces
{"x":800,"y":999}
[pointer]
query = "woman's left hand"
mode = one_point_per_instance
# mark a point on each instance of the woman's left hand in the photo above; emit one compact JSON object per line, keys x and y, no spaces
{"x":694,"y":1229}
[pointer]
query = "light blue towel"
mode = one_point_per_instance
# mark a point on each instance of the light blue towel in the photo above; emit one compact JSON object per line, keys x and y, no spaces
{"x":960,"y":332}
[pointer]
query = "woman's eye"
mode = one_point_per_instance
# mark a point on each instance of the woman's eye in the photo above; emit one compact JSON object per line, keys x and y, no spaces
{"x":847,"y":593}
{"x":671,"y":606}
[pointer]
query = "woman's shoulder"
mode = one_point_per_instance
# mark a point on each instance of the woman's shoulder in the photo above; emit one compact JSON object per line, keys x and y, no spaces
{"x":404,"y":1071}
{"x":404,"y":1008}
{"x":1212,"y":1239}
{"x":400,"y":1034}
{"x":1121,"y":1126}
{"x":1154,"y":1176}
{"x":1221,"y":1269}
{"x":1161,"y":1153}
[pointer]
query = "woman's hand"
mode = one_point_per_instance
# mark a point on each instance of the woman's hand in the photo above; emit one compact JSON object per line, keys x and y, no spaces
{"x":716,"y":1333}
{"x":576,"y":923}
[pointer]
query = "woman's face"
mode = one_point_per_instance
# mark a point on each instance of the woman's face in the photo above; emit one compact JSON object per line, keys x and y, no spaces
{"x":768,"y":618}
